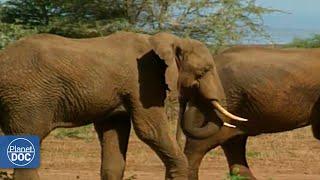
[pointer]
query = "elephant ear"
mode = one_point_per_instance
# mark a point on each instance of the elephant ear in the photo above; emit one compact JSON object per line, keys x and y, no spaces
{"x":169,"y":49}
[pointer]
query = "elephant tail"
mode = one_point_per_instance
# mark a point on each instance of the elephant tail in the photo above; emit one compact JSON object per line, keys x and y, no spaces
{"x":316,"y":130}
{"x":315,"y":120}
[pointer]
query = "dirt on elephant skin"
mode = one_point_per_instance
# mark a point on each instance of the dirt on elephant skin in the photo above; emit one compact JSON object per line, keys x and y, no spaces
{"x":292,"y":155}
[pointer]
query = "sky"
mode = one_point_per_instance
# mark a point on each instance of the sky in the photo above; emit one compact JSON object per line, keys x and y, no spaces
{"x":302,"y":19}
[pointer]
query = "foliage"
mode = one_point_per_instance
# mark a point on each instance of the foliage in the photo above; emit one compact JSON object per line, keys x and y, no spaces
{"x":217,"y":22}
{"x":237,"y":177}
{"x":82,"y":29}
{"x":234,"y":175}
{"x":312,"y":42}
{"x":84,"y":132}
{"x":28,"y":12}
{"x":253,"y":154}
{"x":11,"y":32}
{"x":74,"y":18}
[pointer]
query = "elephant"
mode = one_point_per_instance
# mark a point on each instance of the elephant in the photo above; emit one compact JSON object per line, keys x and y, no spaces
{"x":48,"y":81}
{"x":275,"y":89}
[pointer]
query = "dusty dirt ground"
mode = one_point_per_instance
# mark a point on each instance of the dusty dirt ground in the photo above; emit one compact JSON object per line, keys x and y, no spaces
{"x":292,"y":155}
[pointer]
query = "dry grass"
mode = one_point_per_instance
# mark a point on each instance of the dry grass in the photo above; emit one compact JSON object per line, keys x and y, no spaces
{"x":290,"y":155}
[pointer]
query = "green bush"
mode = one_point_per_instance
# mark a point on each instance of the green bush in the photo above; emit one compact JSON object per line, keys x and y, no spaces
{"x":237,"y":177}
{"x":83,"y":132}
{"x":216,"y":22}
{"x":11,"y":32}
{"x":312,"y":42}
{"x":84,"y":29}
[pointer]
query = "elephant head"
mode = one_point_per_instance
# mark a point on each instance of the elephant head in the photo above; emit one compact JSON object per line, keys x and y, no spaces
{"x":198,"y":82}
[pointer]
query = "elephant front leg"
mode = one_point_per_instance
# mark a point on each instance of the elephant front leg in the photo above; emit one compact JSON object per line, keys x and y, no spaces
{"x":235,"y":151}
{"x":195,"y":150}
{"x":114,"y":135}
{"x":152,"y":127}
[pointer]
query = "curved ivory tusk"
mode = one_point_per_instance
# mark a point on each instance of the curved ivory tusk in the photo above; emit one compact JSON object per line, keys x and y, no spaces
{"x":226,"y":113}
{"x":229,"y":125}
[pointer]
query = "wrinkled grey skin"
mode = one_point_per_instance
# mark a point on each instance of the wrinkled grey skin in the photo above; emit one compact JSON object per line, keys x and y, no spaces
{"x":48,"y":81}
{"x":277,"y":90}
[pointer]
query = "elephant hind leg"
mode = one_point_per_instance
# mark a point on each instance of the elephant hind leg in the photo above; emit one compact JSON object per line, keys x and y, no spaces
{"x":31,"y":122}
{"x":235,"y":151}
{"x":113,"y":134}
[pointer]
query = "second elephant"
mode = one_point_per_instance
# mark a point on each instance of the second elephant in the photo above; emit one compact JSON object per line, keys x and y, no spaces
{"x":275,"y":89}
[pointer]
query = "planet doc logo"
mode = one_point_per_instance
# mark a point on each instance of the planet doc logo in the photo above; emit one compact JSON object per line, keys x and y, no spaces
{"x":19,"y":152}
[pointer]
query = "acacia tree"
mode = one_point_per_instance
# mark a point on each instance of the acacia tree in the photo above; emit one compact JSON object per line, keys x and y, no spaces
{"x":216,"y":22}
{"x":28,"y":12}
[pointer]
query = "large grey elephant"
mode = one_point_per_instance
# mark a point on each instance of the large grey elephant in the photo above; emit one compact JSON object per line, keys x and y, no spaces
{"x":275,"y":89}
{"x":48,"y":81}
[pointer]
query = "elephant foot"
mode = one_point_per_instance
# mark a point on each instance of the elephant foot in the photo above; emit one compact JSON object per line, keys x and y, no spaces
{"x":177,"y":178}
{"x":235,"y":151}
{"x":177,"y":173}
{"x":241,"y":172}
{"x":195,"y":150}
{"x":110,"y":175}
{"x":193,"y":174}
{"x":26,"y":174}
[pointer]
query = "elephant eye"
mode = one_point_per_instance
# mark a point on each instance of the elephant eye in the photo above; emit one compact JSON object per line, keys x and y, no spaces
{"x":201,"y":73}
{"x":198,"y":76}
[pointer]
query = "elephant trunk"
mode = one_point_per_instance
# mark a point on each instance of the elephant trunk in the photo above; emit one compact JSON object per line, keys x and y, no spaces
{"x":211,"y":89}
{"x":189,"y":126}
{"x":190,"y":121}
